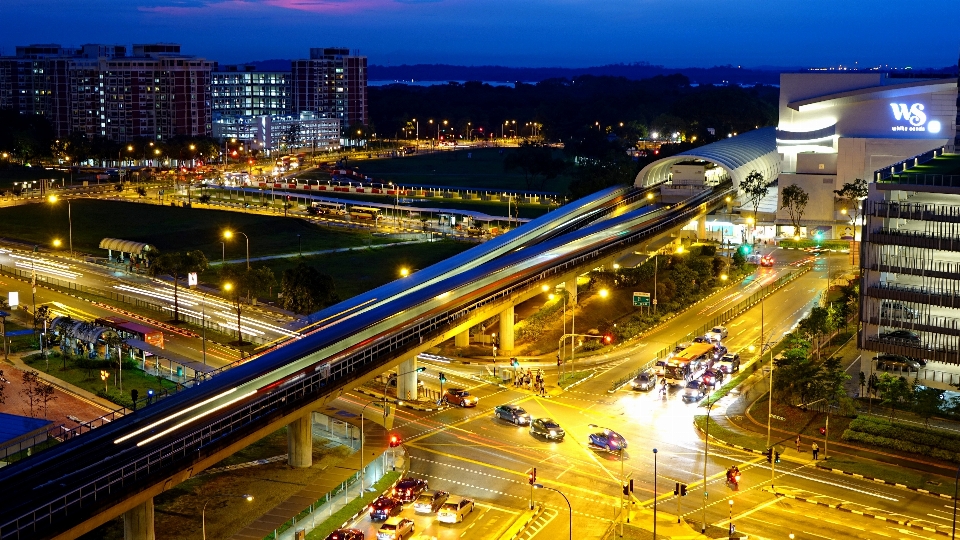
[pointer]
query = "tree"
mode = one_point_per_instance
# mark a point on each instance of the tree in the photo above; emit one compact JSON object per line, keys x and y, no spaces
{"x":242,"y":284}
{"x":819,"y":322}
{"x":177,"y":266}
{"x":141,"y":192}
{"x":537,"y":163}
{"x":926,"y":401}
{"x":36,"y":391}
{"x":304,"y":289}
{"x":755,"y":187}
{"x":794,"y":199}
{"x":851,"y":194}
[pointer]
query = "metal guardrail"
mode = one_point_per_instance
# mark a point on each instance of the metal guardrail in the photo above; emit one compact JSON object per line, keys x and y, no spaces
{"x":341,"y":370}
{"x":727,"y":315}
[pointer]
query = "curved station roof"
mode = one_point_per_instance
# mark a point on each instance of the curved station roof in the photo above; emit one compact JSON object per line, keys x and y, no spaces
{"x":751,"y":151}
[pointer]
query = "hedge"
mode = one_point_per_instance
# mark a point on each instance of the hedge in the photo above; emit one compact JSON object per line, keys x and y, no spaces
{"x":899,"y":445}
{"x":930,"y":437}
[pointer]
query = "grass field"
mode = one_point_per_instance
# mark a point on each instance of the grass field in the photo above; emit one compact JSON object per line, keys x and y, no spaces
{"x":484,"y":169}
{"x":170,"y":228}
{"x":355,"y":272}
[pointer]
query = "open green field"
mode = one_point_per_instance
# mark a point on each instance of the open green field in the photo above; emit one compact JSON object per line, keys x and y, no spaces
{"x":484,"y":169}
{"x":356,"y":272}
{"x":170,"y":228}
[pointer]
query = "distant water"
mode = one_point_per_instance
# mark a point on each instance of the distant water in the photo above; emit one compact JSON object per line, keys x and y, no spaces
{"x":413,"y":82}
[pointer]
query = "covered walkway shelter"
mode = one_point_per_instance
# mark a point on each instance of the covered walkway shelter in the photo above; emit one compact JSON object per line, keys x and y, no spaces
{"x":137,"y":250}
{"x":751,"y":151}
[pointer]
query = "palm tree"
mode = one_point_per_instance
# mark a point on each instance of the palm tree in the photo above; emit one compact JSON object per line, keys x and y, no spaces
{"x":177,"y":266}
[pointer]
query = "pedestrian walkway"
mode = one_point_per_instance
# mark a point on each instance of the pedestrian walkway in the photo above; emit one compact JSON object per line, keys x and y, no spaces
{"x":108,"y":406}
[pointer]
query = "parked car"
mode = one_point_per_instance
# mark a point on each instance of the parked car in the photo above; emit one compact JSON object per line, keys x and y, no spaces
{"x":384,"y":507}
{"x":608,"y":440}
{"x":895,"y":362}
{"x":905,"y":336}
{"x":729,"y":363}
{"x":512,"y":413}
{"x":718,"y":333}
{"x":547,"y":428}
{"x":896,"y":310}
{"x":645,"y":381}
{"x":694,"y":391}
{"x":429,"y":503}
{"x":459,"y":396}
{"x":395,"y":529}
{"x":409,"y":489}
{"x":454,"y":510}
{"x":345,"y":534}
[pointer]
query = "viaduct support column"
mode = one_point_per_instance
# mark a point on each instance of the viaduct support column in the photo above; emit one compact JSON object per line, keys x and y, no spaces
{"x":506,"y":330}
{"x":138,"y":522}
{"x":407,"y":379}
{"x":701,"y":227}
{"x":462,"y":339}
{"x":300,"y":441}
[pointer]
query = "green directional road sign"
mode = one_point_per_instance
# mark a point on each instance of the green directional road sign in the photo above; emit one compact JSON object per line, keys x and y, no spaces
{"x":641,"y":299}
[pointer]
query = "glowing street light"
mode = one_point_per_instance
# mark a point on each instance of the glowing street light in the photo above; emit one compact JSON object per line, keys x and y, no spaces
{"x":404,"y":271}
{"x":228,"y":234}
{"x":56,"y":242}
{"x":53,"y":199}
{"x":603,"y":293}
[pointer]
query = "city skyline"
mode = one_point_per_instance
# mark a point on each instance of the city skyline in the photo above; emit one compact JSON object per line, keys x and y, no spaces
{"x":534,"y":34}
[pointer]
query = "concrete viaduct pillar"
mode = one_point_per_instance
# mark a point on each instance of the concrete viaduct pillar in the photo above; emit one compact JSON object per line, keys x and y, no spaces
{"x":407,"y":379}
{"x":701,"y":227}
{"x":138,"y":522}
{"x":462,"y":339}
{"x":506,"y":330}
{"x":300,"y":441}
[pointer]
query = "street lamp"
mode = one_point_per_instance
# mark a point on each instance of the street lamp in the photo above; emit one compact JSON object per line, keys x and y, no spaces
{"x":654,"y":492}
{"x":228,"y":234}
{"x":569,"y":508}
{"x":730,"y":524}
{"x":56,"y":242}
{"x":404,"y":271}
{"x":706,"y":454}
{"x":53,"y":199}
{"x":203,"y":511}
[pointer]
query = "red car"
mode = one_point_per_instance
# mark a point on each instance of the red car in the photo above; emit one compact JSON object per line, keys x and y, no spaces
{"x":346,"y":534}
{"x":766,"y":261}
{"x":458,"y":396}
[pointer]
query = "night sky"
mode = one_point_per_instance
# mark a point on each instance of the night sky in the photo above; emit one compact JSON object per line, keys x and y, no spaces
{"x":530,"y":33}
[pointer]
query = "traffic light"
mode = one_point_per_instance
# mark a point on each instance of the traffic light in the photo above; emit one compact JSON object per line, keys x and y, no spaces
{"x":607,"y":339}
{"x":394,"y":441}
{"x":532,"y":476}
{"x":745,"y":249}
{"x":514,"y":362}
{"x":443,"y":378}
{"x":628,"y":488}
{"x":769,"y":454}
{"x":676,"y":488}
{"x":776,"y":457}
{"x":683,"y":490}
{"x":818,"y":236}
{"x":421,"y":369}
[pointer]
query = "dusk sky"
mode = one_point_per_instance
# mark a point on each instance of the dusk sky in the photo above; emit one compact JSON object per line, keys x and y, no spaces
{"x":567,"y":33}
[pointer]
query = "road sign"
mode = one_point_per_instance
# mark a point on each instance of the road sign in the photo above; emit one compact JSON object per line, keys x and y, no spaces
{"x":13,"y":299}
{"x":191,"y":279}
{"x":641,"y":299}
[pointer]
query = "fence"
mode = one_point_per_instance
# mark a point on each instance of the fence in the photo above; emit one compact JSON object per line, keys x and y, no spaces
{"x":727,"y":315}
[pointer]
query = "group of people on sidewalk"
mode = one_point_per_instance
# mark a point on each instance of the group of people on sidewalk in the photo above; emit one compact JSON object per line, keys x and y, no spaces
{"x":524,"y":380}
{"x":815,"y":448}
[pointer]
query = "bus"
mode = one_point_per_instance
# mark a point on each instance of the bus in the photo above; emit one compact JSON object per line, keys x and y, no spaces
{"x":688,"y":364}
{"x":364,"y":212}
{"x":330,"y":208}
{"x":132,"y":330}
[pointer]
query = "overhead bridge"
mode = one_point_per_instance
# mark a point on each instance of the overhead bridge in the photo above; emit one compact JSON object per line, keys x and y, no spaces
{"x":71,"y":488}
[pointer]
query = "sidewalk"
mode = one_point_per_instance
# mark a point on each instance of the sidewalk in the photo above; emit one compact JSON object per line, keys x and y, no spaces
{"x":108,"y":406}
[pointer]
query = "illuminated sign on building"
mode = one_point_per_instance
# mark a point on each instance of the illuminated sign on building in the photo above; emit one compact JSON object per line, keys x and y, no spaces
{"x":914,"y":115}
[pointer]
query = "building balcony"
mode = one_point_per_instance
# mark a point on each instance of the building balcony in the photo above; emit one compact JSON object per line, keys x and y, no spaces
{"x":933,"y":296}
{"x":945,"y":350}
{"x":919,"y":239}
{"x":916,"y":211}
{"x":917,"y":267}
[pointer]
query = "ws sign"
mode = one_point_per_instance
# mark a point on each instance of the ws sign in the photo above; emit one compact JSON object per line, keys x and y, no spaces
{"x":914,"y":116}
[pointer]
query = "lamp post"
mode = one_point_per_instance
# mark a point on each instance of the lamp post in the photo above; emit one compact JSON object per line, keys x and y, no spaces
{"x":53,"y":199}
{"x":203,"y":511}
{"x":229,"y":234}
{"x":730,"y":523}
{"x":569,"y":508}
{"x":956,"y":484}
{"x":706,"y":453}
{"x":654,"y":492}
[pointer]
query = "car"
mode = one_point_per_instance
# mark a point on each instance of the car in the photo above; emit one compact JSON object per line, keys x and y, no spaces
{"x":694,"y":391}
{"x":345,"y":534}
{"x":817,"y":250}
{"x":712,"y":377}
{"x":408,"y":489}
{"x":718,"y":333}
{"x":902,"y":336}
{"x":718,"y":351}
{"x":384,"y":507}
{"x":454,"y":510}
{"x":547,"y":428}
{"x":459,"y":396}
{"x":895,"y":310}
{"x":429,"y":503}
{"x":660,"y":367}
{"x":729,"y":363}
{"x":895,"y":362}
{"x":395,"y":528}
{"x":645,"y":381}
{"x":766,"y":261}
{"x":512,"y":413}
{"x":608,"y":440}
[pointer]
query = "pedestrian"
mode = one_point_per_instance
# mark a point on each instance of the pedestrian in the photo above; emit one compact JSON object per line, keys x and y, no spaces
{"x":798,"y":443}
{"x":816,"y":451}
{"x":543,"y":388}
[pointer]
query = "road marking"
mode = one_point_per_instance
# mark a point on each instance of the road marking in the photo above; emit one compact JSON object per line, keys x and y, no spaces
{"x":565,"y":471}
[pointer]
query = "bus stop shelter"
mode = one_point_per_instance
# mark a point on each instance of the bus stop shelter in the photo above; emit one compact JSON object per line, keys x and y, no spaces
{"x":134,"y":249}
{"x":177,"y":367}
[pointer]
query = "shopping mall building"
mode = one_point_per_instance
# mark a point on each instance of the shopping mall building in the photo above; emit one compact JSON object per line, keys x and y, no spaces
{"x":833,"y":129}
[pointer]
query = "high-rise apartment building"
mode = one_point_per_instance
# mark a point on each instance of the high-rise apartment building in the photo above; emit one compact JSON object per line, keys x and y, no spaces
{"x":244,"y":91}
{"x":333,"y":84}
{"x":98,"y":90}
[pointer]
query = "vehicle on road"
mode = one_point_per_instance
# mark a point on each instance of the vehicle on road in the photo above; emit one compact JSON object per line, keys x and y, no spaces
{"x":459,"y":396}
{"x":345,"y":534}
{"x":408,"y":489}
{"x":712,"y":378}
{"x":384,"y":507}
{"x":547,"y":428}
{"x":694,"y":391}
{"x":608,"y":439}
{"x":895,"y":362}
{"x":454,"y":510}
{"x":733,"y":477}
{"x":512,"y":413}
{"x":429,"y":503}
{"x":645,"y":381}
{"x":718,"y":333}
{"x":395,"y":529}
{"x":728,"y":363}
{"x":659,"y":368}
{"x":817,"y":250}
{"x":689,"y":364}
{"x":766,"y":261}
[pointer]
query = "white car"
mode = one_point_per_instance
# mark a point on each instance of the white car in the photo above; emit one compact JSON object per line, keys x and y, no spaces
{"x":454,"y":510}
{"x":718,"y":333}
